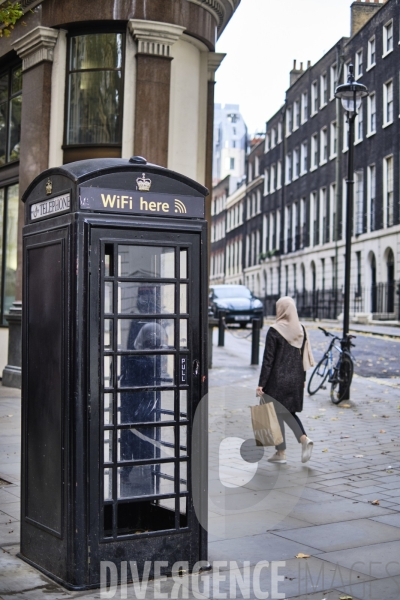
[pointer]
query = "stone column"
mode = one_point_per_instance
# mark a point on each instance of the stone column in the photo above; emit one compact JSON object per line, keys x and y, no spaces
{"x":154,"y":40}
{"x":214,"y":61}
{"x":36,"y":49}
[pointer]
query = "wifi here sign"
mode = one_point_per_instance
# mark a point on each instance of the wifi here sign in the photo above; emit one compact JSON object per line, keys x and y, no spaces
{"x":141,"y":203}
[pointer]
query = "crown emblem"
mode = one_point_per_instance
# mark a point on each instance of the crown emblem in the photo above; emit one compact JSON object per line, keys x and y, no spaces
{"x":143,"y":184}
{"x":49,"y":187}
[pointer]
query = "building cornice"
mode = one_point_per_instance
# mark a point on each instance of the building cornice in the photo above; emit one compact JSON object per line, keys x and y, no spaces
{"x":221,"y":10}
{"x":36,"y":47}
{"x":214,"y":60}
{"x":254,"y":183}
{"x":155,"y":37}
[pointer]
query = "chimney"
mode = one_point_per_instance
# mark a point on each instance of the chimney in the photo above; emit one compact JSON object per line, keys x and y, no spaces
{"x":295,"y":73}
{"x":308,"y":64}
{"x":362,"y":11}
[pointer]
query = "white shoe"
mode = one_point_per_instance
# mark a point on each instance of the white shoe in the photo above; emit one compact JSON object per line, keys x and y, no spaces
{"x":279,"y":459}
{"x":306,"y":450}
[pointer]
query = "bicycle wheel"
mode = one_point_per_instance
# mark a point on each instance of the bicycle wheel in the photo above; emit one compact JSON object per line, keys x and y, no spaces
{"x":318,"y":376}
{"x":343,"y":378}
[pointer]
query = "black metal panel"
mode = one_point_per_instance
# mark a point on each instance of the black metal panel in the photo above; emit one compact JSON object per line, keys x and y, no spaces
{"x":45,"y":304}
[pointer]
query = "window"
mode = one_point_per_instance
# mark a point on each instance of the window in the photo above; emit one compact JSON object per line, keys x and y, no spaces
{"x":10,"y":114}
{"x":387,"y":38}
{"x":296,"y":115}
{"x":289,"y":122}
{"x":371,"y":197}
{"x":95,"y":90}
{"x":267,"y":143}
{"x":324,"y":89}
{"x":304,"y":107}
{"x":303,"y":223}
{"x":314,"y":218}
{"x":371,"y":107}
{"x":359,"y":124}
{"x":256,"y":166}
{"x":279,"y":132}
{"x":314,"y":98}
{"x":273,"y":137}
{"x":272,"y":179}
{"x":333,"y":150}
{"x":371,"y":53}
{"x":279,"y":175}
{"x":231,"y":163}
{"x":359,"y":202}
{"x":333,"y":81}
{"x":9,"y":204}
{"x":266,"y":181}
{"x":296,"y":163}
{"x":304,"y":158}
{"x":332,"y":212}
{"x":324,"y":214}
{"x":388,"y":196}
{"x":359,"y":64}
{"x":345,"y":133}
{"x":388,"y":103}
{"x":324,"y":146}
{"x":288,"y":167}
{"x":314,"y":151}
{"x":258,"y":201}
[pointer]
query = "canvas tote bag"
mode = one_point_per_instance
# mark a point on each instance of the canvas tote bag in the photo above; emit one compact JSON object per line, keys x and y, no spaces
{"x":267,"y":431}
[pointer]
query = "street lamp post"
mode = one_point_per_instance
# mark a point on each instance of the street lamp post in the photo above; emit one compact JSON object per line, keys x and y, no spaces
{"x":351,"y":95}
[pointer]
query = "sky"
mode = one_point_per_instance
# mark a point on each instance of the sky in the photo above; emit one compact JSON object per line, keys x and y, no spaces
{"x":261,"y":41}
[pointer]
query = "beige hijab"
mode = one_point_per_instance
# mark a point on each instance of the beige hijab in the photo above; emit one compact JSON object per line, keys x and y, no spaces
{"x":288,"y":324}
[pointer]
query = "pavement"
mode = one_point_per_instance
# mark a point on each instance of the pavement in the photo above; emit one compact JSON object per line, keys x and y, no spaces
{"x":325,"y":530}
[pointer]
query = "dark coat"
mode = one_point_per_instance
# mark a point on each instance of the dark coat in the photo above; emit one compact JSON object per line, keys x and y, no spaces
{"x":282,"y":373}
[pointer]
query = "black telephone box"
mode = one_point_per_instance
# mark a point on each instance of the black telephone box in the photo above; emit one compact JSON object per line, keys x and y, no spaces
{"x":114,"y":366}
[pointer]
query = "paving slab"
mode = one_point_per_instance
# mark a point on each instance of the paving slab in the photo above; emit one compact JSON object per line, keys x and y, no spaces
{"x":344,"y":535}
{"x":393,"y":520}
{"x":381,"y":589}
{"x":377,"y":561}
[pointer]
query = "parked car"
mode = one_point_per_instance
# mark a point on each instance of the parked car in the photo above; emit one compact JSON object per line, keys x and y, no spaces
{"x":238,"y":302}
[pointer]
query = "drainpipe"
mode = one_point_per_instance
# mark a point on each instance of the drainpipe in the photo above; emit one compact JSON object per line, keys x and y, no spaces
{"x":283,"y":193}
{"x":338,"y":167}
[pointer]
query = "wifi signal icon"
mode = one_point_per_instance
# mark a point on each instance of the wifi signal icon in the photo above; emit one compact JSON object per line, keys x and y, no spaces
{"x":179,"y":206}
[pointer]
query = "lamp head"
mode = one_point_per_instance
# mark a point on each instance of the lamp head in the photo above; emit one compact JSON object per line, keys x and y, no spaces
{"x":351,"y":93}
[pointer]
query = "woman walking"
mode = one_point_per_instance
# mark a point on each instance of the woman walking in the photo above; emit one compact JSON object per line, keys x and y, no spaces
{"x":287,"y":357}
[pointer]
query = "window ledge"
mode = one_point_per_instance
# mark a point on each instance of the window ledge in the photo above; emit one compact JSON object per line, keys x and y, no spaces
{"x":323,"y":106}
{"x":371,"y":67}
{"x":323,"y":162}
{"x":387,"y":124}
{"x":371,"y":133}
{"x":333,"y":156}
{"x":313,"y":169}
{"x":356,"y":142}
{"x":387,"y":53}
{"x":359,"y":76}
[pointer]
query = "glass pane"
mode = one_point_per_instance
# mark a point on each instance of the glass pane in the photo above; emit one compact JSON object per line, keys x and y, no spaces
{"x":94,"y":107}
{"x":145,"y":370}
{"x":183,"y":477}
{"x":183,"y":298}
{"x":15,"y":128}
{"x":183,"y":405}
{"x":146,"y":298}
{"x":108,"y":371}
{"x":100,"y":51}
{"x":16,"y":81}
{"x":107,"y":484}
{"x":108,"y":446}
{"x":146,"y":480}
{"x":183,"y":334}
{"x":109,"y":260}
{"x":145,"y":334}
{"x":108,"y":334}
{"x":146,"y":261}
{"x":183,"y":506}
{"x":183,"y":440}
{"x":108,"y":297}
{"x":4,"y":88}
{"x":108,"y":409}
{"x":183,"y":266}
{"x":11,"y":247}
{"x":1,"y":233}
{"x":142,"y":407}
{"x":146,"y":443}
{"x":3,"y":133}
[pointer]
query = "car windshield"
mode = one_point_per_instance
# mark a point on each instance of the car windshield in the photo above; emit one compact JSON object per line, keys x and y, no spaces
{"x":232,"y":292}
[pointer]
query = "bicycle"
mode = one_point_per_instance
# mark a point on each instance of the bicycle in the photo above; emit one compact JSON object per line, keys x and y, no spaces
{"x":339,"y":375}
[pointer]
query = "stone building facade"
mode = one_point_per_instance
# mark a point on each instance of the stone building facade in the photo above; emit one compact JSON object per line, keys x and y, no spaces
{"x":102,"y":79}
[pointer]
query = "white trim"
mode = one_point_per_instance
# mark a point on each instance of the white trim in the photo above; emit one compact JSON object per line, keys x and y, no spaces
{"x":58,"y":81}
{"x":128,"y":122}
{"x":36,"y":46}
{"x":154,"y":37}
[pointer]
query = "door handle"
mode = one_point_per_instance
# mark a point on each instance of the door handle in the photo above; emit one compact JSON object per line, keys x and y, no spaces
{"x":196,"y":367}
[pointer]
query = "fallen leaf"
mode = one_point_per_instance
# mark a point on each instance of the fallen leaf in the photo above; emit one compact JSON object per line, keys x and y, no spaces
{"x":359,"y":456}
{"x":374,"y":502}
{"x":316,"y":417}
{"x":345,"y":405}
{"x":301,"y":555}
{"x":346,"y":597}
{"x":334,"y":419}
{"x":345,"y":437}
{"x":325,"y":450}
{"x":382,"y":431}
{"x":9,"y":415}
